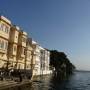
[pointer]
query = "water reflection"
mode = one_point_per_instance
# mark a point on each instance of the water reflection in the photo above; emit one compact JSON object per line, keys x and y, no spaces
{"x":77,"y":81}
{"x":59,"y":82}
{"x":41,"y":83}
{"x":49,"y":82}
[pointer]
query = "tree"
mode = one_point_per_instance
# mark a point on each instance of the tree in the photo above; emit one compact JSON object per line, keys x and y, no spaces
{"x":60,"y":62}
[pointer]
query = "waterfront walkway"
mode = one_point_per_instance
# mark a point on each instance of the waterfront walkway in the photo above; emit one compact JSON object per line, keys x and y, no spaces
{"x":5,"y":84}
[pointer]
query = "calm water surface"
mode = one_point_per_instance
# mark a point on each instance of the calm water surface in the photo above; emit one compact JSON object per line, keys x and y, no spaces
{"x":78,"y":81}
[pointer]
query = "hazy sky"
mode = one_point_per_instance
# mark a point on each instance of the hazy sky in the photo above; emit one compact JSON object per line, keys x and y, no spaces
{"x":56,"y":24}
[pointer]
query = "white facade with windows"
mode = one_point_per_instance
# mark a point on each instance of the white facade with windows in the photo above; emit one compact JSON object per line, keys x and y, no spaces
{"x":42,"y":59}
{"x":36,"y":58}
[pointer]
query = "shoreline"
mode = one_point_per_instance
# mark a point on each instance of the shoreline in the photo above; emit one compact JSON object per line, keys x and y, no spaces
{"x":11,"y":84}
{"x":4,"y":85}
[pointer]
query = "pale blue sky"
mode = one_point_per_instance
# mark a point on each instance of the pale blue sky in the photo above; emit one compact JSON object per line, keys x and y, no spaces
{"x":56,"y":24}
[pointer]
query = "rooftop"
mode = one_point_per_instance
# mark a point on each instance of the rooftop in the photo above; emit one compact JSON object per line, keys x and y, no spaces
{"x":5,"y":19}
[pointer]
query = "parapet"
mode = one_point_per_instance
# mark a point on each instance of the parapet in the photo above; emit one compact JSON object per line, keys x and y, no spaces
{"x":5,"y":19}
{"x":24,"y":33}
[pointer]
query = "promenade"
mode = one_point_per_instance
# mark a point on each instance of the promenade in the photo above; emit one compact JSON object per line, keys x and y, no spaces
{"x":7,"y":84}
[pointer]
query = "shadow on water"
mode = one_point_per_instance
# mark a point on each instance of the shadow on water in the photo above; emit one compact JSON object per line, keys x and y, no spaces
{"x":51,"y":82}
{"x":60,"y":82}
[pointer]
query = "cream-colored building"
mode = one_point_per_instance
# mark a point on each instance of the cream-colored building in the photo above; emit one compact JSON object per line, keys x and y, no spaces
{"x":22,"y":39}
{"x":20,"y":52}
{"x":28,"y":56}
{"x":5,"y":25}
{"x":13,"y":46}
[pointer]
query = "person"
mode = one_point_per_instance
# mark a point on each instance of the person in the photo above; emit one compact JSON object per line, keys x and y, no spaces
{"x":1,"y":76}
{"x":20,"y":76}
{"x":11,"y":74}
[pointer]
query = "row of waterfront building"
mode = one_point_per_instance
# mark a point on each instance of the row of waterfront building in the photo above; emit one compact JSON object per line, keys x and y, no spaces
{"x":19,"y":51}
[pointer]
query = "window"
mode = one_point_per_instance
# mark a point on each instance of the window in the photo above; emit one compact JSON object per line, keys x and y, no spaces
{"x":24,"y":40}
{"x":6,"y":45}
{"x":1,"y":27}
{"x":2,"y":45}
{"x":23,"y":51}
{"x":14,"y":48}
{"x":4,"y":28}
{"x":16,"y":36}
{"x":7,"y":29}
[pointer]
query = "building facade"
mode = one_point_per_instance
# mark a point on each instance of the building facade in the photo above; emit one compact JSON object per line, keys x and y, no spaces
{"x":45,"y":61}
{"x":22,"y":39}
{"x":36,"y":58}
{"x":13,"y":46}
{"x":5,"y":25}
{"x":28,"y":56}
{"x":17,"y":51}
{"x":42,"y":60}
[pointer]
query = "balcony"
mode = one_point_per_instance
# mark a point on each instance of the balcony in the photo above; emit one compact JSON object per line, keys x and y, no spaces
{"x":13,"y":35}
{"x":22,"y":39}
{"x":3,"y":51}
{"x":22,"y":42}
{"x":4,"y":35}
{"x":4,"y":30}
{"x":12,"y":50}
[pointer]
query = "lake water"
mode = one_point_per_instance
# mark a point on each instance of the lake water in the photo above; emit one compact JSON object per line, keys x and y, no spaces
{"x":78,"y":81}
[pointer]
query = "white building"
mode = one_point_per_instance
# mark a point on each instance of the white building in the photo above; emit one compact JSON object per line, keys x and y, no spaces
{"x":36,"y":58}
{"x":45,"y":61}
{"x":41,"y":58}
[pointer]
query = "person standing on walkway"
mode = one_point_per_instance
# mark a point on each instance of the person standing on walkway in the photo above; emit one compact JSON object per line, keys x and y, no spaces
{"x":20,"y":76}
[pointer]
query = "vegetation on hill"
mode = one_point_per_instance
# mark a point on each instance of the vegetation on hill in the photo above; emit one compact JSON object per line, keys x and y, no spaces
{"x":60,"y":63}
